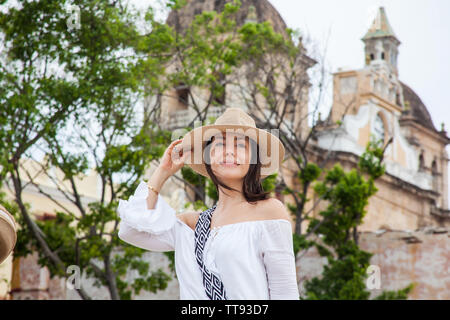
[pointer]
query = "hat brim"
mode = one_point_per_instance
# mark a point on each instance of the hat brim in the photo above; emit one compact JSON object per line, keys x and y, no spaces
{"x":271,"y":149}
{"x":8,"y":235}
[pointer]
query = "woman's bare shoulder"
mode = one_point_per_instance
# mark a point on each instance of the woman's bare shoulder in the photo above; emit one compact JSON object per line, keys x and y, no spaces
{"x":190,"y":218}
{"x":273,"y":208}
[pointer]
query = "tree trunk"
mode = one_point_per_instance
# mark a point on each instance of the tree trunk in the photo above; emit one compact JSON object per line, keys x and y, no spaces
{"x":111,"y":278}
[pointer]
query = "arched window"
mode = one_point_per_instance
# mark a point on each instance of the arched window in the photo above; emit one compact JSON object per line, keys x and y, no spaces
{"x":182,"y":93}
{"x":434,"y":170}
{"x":397,"y":99}
{"x":421,"y":162}
{"x":434,"y":173}
{"x":378,"y":129}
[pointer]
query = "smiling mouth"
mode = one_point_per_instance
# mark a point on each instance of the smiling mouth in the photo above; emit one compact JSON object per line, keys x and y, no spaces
{"x":229,"y":164}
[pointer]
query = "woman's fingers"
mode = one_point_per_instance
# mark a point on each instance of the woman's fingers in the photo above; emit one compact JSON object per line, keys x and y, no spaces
{"x":179,"y":160}
{"x":172,"y":145}
{"x":174,"y":150}
{"x":180,"y":155}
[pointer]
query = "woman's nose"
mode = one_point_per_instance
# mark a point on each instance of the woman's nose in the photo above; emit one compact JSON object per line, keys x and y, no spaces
{"x":229,"y":151}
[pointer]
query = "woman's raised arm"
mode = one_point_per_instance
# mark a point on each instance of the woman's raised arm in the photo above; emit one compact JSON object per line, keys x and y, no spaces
{"x":147,"y":221}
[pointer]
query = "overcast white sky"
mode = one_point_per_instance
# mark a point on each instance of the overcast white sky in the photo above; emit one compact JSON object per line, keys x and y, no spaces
{"x":422,"y":26}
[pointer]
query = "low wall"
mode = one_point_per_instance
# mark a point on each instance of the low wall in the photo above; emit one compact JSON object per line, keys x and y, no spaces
{"x":401,"y":257}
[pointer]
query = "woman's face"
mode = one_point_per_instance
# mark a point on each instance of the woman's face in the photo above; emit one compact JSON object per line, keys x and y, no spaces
{"x":230,"y":155}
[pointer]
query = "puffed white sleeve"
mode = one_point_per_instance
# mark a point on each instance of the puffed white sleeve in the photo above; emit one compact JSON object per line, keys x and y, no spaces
{"x":277,"y":251}
{"x":153,"y":229}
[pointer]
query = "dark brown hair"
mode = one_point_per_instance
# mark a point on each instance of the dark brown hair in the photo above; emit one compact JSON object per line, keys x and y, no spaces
{"x":251,"y":186}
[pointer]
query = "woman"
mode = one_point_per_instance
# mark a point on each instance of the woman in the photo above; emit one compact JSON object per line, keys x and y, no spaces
{"x":240,"y":248}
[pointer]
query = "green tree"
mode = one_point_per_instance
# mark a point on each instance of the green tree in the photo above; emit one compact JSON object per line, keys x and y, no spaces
{"x":347,"y":193}
{"x":70,"y":94}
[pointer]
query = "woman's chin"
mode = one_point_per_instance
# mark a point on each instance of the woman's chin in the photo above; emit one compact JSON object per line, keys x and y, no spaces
{"x":229,"y":172}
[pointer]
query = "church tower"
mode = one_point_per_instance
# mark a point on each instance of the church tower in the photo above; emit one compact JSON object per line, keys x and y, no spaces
{"x":381,"y":44}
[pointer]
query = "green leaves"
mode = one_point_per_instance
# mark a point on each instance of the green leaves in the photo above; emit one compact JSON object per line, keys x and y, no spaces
{"x":301,"y":243}
{"x":192,"y":177}
{"x":269,"y":182}
{"x":401,"y":294}
{"x":347,"y":194}
{"x":71,"y":94}
{"x":371,"y":161}
{"x":310,"y":173}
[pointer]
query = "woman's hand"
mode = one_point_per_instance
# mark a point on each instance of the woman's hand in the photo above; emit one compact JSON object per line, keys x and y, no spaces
{"x":173,"y":158}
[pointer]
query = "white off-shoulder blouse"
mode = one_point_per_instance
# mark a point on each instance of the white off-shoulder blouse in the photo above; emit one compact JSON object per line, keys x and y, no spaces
{"x":254,"y":259}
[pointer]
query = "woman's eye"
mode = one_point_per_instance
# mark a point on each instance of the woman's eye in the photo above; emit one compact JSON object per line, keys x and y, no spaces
{"x":240,"y":144}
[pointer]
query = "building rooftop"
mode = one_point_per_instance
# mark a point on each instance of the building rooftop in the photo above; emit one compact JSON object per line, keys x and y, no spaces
{"x":260,"y":10}
{"x":380,"y":27}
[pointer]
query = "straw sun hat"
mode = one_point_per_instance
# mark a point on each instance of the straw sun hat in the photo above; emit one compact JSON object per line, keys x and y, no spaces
{"x":8,"y":236}
{"x":234,"y":120}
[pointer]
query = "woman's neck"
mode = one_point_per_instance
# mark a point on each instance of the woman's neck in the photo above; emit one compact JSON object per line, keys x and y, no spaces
{"x":231,"y":198}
